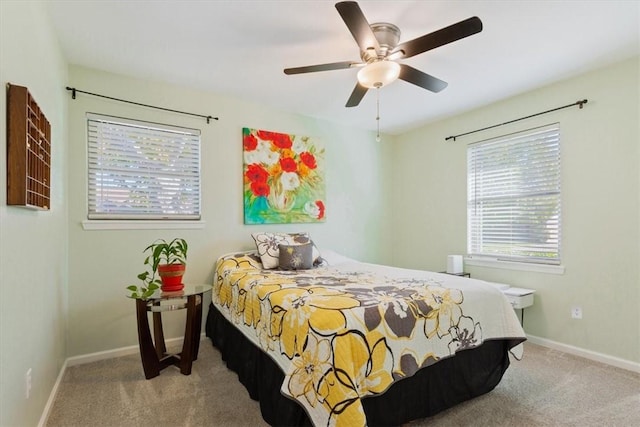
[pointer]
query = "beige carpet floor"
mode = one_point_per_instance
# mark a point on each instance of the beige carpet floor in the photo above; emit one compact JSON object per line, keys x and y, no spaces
{"x":546,"y":388}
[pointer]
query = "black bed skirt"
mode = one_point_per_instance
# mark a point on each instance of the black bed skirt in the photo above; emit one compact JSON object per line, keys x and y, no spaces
{"x":431,"y":390}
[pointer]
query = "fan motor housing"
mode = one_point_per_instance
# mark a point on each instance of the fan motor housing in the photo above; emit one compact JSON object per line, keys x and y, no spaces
{"x":388,"y":36}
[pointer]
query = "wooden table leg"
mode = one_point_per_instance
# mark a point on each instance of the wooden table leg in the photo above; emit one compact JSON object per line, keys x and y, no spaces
{"x":197,"y":327}
{"x":158,"y":334}
{"x":186,"y":357}
{"x":150,"y":360}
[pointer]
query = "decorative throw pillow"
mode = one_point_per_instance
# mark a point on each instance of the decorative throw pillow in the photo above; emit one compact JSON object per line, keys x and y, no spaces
{"x":305,"y":237}
{"x":268,"y":249}
{"x":315,"y":255}
{"x":296,"y":257}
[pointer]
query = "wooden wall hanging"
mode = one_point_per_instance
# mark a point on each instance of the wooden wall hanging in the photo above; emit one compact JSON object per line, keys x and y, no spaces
{"x":28,"y":151}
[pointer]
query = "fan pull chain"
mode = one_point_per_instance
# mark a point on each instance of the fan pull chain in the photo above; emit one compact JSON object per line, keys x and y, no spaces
{"x":378,"y":112}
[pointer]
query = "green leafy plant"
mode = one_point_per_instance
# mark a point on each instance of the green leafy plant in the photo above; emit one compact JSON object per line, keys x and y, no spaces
{"x":163,"y":252}
{"x":148,"y":287}
{"x":160,"y":252}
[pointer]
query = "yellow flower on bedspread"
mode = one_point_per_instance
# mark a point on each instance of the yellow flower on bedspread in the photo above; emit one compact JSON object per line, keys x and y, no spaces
{"x":237,"y":265}
{"x":223,"y":291}
{"x":361,"y":366}
{"x":309,"y":370}
{"x":249,"y":301}
{"x":232,"y":263}
{"x":295,"y":310}
{"x":252,"y":289}
{"x":445,"y":310}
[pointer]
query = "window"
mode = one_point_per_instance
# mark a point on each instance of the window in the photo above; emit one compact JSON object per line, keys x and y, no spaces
{"x":141,"y":170}
{"x":513,"y":199}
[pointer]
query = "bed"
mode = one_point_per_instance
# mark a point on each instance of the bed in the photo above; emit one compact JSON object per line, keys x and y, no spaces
{"x":351,"y":343}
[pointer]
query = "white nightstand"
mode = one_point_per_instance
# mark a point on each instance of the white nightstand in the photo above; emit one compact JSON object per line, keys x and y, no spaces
{"x":520,"y":299}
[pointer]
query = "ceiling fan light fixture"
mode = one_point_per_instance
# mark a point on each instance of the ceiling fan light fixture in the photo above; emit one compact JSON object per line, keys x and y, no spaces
{"x":378,"y":74}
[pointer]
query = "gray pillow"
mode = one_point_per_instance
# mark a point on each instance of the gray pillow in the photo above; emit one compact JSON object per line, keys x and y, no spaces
{"x":296,"y":257}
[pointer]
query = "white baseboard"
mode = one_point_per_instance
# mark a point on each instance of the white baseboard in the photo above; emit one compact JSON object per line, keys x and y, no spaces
{"x":94,"y":357}
{"x":52,"y":396}
{"x":118,"y":352}
{"x":587,"y":354}
{"x":103,"y":355}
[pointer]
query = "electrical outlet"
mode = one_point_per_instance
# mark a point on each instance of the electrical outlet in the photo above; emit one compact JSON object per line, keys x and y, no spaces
{"x":576,"y":312}
{"x":27,"y":384}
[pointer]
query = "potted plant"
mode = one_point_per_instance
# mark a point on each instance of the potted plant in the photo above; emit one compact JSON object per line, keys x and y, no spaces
{"x":169,"y":260}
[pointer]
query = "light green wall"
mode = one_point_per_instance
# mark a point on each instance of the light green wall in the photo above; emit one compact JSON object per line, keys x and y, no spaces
{"x":33,"y":244}
{"x":62,"y":290}
{"x":103,"y":262}
{"x":600,"y":196}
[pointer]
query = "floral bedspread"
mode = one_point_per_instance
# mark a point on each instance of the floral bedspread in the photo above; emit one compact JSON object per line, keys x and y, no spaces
{"x":344,"y":332}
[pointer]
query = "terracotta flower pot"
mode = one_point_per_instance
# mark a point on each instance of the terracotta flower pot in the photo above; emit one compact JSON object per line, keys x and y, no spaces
{"x":171,"y":276}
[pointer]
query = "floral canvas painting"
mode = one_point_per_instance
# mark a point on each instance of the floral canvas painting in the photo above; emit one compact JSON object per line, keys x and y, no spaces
{"x":283,"y":178}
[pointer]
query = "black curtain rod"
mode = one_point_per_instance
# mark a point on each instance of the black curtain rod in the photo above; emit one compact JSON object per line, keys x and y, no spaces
{"x":579,"y":103}
{"x":74,"y":91}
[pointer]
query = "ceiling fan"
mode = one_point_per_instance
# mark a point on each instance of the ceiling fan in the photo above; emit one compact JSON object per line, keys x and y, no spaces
{"x":380,"y":49}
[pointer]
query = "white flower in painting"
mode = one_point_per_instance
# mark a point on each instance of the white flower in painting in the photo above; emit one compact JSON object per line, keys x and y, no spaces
{"x":299,"y":146}
{"x":312,"y":209}
{"x":251,"y":157}
{"x":262,"y":154}
{"x":289,"y":181}
{"x":270,"y":157}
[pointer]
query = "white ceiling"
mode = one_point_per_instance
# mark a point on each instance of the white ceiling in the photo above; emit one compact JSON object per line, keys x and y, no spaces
{"x":239,"y":48}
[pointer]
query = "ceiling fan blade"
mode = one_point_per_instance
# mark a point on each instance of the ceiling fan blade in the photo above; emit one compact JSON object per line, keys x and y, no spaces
{"x":440,"y":37}
{"x":358,"y":25}
{"x":356,"y":96}
{"x":322,"y":67}
{"x":418,"y":78}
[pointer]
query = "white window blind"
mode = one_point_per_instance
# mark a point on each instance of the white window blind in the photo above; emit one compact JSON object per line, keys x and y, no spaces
{"x":514,"y":209}
{"x":141,"y":170}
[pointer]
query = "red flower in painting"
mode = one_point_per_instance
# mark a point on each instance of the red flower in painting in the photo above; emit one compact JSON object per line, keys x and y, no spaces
{"x":260,"y":189}
{"x":256,"y":173}
{"x":320,"y":206}
{"x":288,"y":164}
{"x":265,"y":135}
{"x":250,"y":142}
{"x":280,"y":140}
{"x":308,"y":159}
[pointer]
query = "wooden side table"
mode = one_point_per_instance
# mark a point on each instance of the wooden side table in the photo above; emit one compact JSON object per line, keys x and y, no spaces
{"x":155,"y":357}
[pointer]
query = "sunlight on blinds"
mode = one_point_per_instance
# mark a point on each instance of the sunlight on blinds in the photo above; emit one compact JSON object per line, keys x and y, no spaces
{"x":140,"y":170}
